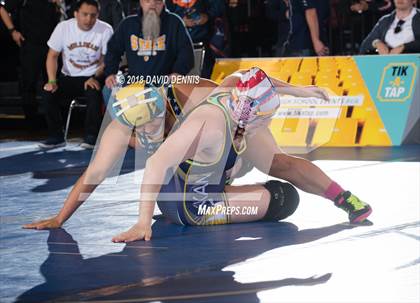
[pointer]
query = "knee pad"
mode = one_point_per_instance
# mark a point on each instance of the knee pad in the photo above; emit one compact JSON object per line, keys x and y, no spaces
{"x":283,"y":202}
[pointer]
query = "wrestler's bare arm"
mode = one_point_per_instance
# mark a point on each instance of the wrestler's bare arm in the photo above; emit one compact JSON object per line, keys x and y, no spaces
{"x":112,"y":146}
{"x":304,"y":92}
{"x":281,"y":86}
{"x":191,"y":95}
{"x":183,"y":144}
{"x":232,"y":79}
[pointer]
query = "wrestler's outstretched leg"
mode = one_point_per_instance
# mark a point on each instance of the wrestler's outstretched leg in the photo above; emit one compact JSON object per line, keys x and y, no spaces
{"x":308,"y":177}
{"x":303,"y":174}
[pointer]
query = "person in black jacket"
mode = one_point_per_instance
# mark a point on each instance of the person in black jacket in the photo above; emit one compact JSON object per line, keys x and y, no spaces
{"x":199,"y":17}
{"x":396,"y":33}
{"x":111,"y":12}
{"x":308,"y":34}
{"x":277,"y":10}
{"x":37,"y":20}
{"x":155,"y":42}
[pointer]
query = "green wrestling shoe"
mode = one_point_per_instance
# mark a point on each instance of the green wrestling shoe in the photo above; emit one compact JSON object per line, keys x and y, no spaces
{"x":357,"y":209}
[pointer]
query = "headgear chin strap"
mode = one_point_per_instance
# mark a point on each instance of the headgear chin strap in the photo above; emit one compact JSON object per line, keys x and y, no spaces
{"x":152,"y":141}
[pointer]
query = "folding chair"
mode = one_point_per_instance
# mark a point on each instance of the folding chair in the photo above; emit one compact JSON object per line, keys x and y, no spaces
{"x":199,"y":52}
{"x":77,"y":102}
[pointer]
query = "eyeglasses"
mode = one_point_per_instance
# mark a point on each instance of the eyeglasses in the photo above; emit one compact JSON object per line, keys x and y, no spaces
{"x":398,"y":28}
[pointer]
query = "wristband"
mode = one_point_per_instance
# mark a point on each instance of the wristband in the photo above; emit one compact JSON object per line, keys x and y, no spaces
{"x":11,"y":30}
{"x":52,"y":81}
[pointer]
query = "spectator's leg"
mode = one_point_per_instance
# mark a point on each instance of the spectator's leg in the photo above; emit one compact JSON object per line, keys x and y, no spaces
{"x":53,"y":113}
{"x":43,"y":52}
{"x":68,"y":88}
{"x":32,"y":63}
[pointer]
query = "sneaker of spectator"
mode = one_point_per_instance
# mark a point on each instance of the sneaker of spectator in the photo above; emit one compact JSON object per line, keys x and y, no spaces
{"x":52,"y":142}
{"x":88,"y":142}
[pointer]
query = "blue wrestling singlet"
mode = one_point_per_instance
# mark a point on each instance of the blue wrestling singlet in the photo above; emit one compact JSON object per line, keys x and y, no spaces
{"x":195,"y":188}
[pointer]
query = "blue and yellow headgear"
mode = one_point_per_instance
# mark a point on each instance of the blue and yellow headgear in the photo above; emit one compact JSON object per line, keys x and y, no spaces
{"x":136,"y":104}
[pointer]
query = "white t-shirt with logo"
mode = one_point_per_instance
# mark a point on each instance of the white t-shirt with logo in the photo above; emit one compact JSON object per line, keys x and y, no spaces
{"x":81,"y":50}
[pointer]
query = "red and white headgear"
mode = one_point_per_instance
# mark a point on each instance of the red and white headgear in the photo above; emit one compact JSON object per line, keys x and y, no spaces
{"x":254,"y":96}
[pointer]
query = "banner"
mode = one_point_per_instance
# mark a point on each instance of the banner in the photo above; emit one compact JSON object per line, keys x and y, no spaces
{"x":374,"y":100}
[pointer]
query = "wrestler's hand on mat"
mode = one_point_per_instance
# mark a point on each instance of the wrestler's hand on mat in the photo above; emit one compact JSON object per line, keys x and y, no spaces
{"x":138,"y":231}
{"x":50,"y":223}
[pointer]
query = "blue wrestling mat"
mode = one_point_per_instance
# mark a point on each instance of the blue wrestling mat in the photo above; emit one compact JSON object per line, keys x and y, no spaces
{"x":314,"y":256}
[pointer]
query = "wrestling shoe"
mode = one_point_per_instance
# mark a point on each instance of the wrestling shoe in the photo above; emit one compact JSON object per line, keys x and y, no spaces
{"x":357,"y":209}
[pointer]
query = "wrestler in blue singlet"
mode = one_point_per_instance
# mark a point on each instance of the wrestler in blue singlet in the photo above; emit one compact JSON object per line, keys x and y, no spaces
{"x":195,"y":185}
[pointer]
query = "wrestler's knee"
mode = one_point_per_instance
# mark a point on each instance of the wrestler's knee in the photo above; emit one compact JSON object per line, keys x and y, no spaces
{"x":284,"y":200}
{"x":282,"y":164}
